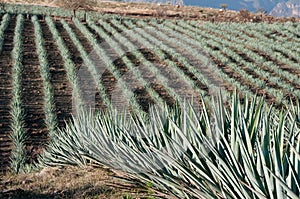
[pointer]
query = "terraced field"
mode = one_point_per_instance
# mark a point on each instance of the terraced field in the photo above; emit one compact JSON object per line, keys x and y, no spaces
{"x":49,"y":67}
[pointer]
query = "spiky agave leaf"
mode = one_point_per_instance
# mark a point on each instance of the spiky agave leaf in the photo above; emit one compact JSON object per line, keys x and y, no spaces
{"x":241,"y":152}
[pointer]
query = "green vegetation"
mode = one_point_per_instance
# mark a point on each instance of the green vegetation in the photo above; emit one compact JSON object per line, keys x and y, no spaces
{"x":18,"y":158}
{"x":66,"y":11}
{"x":3,"y":26}
{"x":68,"y":63}
{"x":246,"y":144}
{"x":224,"y":6}
{"x":74,"y":182}
{"x":248,"y":151}
{"x":49,"y":107}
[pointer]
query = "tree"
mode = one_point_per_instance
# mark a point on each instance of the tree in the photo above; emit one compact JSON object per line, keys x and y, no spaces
{"x":224,"y":6}
{"x":245,"y":13}
{"x":77,"y":4}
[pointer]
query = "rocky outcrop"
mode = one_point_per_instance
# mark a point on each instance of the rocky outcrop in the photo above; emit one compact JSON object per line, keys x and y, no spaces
{"x":290,"y":8}
{"x":280,"y":8}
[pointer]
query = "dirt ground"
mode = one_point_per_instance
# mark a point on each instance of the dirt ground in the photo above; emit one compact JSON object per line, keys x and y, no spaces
{"x":72,"y":182}
{"x":91,"y":182}
{"x":161,"y":11}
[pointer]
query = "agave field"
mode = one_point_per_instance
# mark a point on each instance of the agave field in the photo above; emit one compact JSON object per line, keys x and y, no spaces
{"x":52,"y":66}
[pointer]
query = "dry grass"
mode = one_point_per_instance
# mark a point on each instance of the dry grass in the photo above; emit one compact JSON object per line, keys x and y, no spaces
{"x":72,"y":182}
{"x":157,"y":10}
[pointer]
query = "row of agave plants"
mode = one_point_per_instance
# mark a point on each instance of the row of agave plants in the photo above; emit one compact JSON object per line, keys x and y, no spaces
{"x":247,"y":150}
{"x":18,"y":157}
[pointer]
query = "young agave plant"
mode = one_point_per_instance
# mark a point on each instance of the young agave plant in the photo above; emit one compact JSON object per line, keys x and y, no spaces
{"x":248,"y":150}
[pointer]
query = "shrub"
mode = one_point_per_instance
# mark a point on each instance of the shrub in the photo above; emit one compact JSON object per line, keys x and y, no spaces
{"x":245,"y":13}
{"x":224,"y":6}
{"x":246,"y":151}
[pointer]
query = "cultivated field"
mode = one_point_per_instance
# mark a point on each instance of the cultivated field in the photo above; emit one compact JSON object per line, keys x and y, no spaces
{"x":45,"y":64}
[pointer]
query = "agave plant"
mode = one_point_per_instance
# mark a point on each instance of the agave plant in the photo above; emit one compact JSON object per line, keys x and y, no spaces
{"x":18,"y":135}
{"x":248,"y":150}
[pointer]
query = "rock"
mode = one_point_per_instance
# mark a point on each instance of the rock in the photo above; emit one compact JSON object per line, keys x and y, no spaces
{"x":27,"y":181}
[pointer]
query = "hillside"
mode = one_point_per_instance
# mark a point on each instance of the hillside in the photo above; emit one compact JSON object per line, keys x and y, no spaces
{"x":156,"y":10}
{"x":198,"y":55}
{"x":276,"y":8}
{"x":53,"y":63}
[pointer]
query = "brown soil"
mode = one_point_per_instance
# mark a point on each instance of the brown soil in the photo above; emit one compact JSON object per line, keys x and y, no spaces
{"x":185,"y":12}
{"x":252,"y":72}
{"x":84,"y":85}
{"x":74,"y":53}
{"x":233,"y":74}
{"x":267,"y":57}
{"x":6,"y":95}
{"x":205,"y":70}
{"x":33,"y":94}
{"x":91,"y":182}
{"x":143,"y":98}
{"x":108,"y":78}
{"x":155,"y":10}
{"x":148,"y":76}
{"x":61,"y":86}
{"x":186,"y":71}
{"x":72,"y":182}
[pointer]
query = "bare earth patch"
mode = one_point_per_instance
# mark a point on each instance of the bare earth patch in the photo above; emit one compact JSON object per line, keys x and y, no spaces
{"x":157,"y":10}
{"x":74,"y":182}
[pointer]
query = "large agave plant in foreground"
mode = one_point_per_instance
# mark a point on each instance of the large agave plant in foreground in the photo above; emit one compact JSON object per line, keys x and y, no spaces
{"x":245,"y":151}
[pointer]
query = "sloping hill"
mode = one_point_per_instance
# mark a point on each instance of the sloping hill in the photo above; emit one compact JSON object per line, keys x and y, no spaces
{"x":119,"y":61}
{"x":149,"y":10}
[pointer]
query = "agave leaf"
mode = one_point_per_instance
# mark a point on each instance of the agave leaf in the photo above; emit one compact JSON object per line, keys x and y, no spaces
{"x":256,"y":114}
{"x":280,"y":183}
{"x":225,"y":155}
{"x":234,"y":123}
{"x":294,"y":183}
{"x":251,"y":174}
{"x":269,"y":185}
{"x":245,"y":137}
{"x":259,"y":194}
{"x":206,"y":128}
{"x":230,"y":158}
